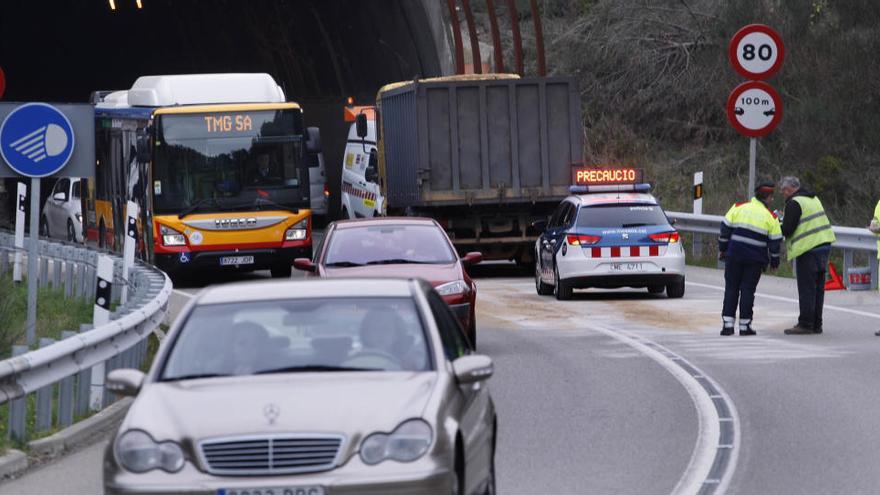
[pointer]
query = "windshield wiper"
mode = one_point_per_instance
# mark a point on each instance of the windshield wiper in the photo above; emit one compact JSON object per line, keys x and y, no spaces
{"x":198,"y":204}
{"x":397,"y":261}
{"x":314,"y":367}
{"x":343,"y":264}
{"x":193,"y":376}
{"x":258,"y":202}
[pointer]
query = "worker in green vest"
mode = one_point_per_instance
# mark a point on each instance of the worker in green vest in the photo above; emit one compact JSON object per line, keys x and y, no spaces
{"x":875,"y":228}
{"x":808,"y":239}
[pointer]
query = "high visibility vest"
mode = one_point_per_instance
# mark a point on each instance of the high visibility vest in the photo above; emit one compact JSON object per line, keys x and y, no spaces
{"x":813,"y":229}
{"x":751,"y":231}
{"x":877,"y":217}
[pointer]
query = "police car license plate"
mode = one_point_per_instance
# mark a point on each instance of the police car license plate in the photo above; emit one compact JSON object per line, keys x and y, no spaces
{"x":236,"y":260}
{"x":626,"y":267}
{"x":277,"y":490}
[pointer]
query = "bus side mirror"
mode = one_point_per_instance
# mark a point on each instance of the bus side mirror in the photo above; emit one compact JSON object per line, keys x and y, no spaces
{"x":313,"y":140}
{"x":143,"y":148}
{"x":361,"y":125}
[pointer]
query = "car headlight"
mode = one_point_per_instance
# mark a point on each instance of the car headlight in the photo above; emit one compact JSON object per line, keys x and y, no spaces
{"x":79,"y":217}
{"x":171,"y":237}
{"x":409,"y":441}
{"x":137,"y":452}
{"x":298,"y":232}
{"x":451,"y":288}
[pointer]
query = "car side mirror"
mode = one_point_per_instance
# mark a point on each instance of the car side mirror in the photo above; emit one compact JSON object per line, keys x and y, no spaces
{"x":472,"y":258}
{"x":305,"y":265}
{"x":473,"y":368}
{"x":143,"y":148}
{"x":125,"y":382}
{"x":361,"y":125}
{"x":60,"y":197}
{"x":539,"y":225}
{"x":313,"y":140}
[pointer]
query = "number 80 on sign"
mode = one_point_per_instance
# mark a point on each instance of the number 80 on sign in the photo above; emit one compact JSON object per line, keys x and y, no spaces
{"x":756,"y":51}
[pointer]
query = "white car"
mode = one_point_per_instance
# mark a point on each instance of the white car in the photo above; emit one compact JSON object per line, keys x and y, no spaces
{"x":62,"y":212}
{"x":361,"y":196}
{"x":609,"y":240}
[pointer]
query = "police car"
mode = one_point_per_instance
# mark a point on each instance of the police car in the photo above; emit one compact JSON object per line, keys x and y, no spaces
{"x":610,"y":233}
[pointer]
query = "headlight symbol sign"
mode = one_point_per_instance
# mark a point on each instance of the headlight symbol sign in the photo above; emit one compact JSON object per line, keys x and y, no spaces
{"x":36,"y":140}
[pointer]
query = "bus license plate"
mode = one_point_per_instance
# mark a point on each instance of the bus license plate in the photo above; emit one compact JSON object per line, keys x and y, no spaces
{"x":236,"y":260}
{"x":626,"y":267}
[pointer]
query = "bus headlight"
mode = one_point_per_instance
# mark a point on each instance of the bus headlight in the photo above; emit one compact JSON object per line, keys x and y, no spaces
{"x":171,"y":237}
{"x":298,"y":232}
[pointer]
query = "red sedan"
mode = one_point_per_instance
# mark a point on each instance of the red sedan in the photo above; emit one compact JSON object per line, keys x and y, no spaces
{"x":400,"y":247}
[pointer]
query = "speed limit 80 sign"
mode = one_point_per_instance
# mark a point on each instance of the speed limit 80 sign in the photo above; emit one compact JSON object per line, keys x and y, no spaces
{"x":756,"y":52}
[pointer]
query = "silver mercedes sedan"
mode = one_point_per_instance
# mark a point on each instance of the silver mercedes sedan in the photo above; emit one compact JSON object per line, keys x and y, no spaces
{"x":315,"y":387}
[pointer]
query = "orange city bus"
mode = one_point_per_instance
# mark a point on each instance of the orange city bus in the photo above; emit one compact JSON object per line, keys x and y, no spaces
{"x":218,"y":184}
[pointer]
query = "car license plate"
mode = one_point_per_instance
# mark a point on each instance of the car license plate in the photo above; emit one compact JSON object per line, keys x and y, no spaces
{"x":626,"y":267}
{"x":275,"y":490}
{"x":236,"y":260}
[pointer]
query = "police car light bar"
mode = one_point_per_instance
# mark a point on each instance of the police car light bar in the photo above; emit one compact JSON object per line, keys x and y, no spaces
{"x":642,"y":187}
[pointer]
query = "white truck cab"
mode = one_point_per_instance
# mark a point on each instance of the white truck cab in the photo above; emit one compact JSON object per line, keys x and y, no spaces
{"x":361,"y":195}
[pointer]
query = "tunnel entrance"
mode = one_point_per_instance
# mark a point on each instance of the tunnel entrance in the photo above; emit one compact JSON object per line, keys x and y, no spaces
{"x":319,"y":51}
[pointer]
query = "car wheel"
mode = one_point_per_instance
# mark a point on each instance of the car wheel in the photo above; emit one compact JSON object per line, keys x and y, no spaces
{"x":472,"y":333}
{"x":458,"y":472}
{"x":44,"y":227}
{"x":675,"y":290}
{"x":561,"y":290}
{"x":542,"y":288}
{"x":71,"y":232}
{"x":656,"y":289}
{"x":281,"y":271}
{"x":490,"y":483}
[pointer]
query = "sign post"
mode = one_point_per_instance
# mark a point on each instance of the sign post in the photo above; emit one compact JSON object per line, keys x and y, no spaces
{"x":754,"y":108}
{"x":698,"y":210}
{"x":19,"y":230}
{"x":36,"y":140}
{"x":130,"y":245}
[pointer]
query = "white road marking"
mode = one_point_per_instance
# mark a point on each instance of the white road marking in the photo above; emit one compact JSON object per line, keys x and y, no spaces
{"x":788,"y":299}
{"x":709,"y":430}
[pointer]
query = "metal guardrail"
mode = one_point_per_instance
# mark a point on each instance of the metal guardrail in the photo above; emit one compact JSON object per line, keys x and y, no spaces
{"x":849,"y":239}
{"x":119,"y":343}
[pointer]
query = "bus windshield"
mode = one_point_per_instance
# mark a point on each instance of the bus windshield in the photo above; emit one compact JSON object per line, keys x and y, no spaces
{"x":226,"y":161}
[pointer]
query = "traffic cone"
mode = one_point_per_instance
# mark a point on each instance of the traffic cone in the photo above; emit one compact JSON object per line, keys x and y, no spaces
{"x":836,"y":283}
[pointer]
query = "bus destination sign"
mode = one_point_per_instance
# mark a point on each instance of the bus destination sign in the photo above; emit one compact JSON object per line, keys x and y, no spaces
{"x":228,"y":123}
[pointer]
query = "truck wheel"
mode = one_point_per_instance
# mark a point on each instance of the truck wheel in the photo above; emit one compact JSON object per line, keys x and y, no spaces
{"x":542,"y":288}
{"x":675,"y":290}
{"x":560,"y":288}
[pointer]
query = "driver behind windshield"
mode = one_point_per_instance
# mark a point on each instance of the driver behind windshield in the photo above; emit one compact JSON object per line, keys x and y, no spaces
{"x":267,"y":171}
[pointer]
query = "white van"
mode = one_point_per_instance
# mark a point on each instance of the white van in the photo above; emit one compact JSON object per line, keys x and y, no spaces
{"x":361,"y":197}
{"x":62,"y":212}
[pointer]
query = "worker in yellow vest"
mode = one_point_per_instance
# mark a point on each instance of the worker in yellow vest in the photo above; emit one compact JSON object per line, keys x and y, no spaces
{"x":808,"y":239}
{"x":749,"y":241}
{"x":875,"y":228}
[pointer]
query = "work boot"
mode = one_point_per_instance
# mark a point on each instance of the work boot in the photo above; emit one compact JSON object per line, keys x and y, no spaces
{"x":799,"y":330}
{"x":729,"y":331}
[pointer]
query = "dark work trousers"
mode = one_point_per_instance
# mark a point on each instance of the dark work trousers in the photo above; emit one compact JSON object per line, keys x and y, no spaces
{"x":810,"y":269}
{"x":740,"y":281}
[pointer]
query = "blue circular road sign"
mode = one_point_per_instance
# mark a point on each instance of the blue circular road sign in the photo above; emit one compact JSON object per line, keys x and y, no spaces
{"x":36,"y":140}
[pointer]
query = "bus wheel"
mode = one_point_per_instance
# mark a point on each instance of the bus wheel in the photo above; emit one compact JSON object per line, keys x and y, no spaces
{"x":281,"y":271}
